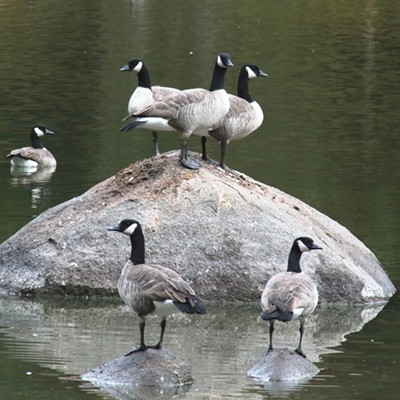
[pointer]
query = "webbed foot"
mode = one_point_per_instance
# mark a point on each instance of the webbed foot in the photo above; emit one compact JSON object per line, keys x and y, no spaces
{"x":137,"y":350}
{"x":190,"y":163}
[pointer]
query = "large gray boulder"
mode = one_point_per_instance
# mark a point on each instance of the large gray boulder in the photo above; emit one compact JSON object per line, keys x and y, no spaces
{"x":223,"y":231}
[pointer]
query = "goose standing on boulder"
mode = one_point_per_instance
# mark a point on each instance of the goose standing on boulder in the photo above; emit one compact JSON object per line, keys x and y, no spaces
{"x":244,"y":116}
{"x":36,"y":155}
{"x":148,"y":289}
{"x":189,"y":111}
{"x":292,"y":294}
{"x":144,"y":95}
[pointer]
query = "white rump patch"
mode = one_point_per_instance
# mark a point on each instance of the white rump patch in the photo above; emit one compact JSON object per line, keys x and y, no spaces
{"x":250,"y":73}
{"x":138,"y":67}
{"x":38,"y":131}
{"x":165,"y":308}
{"x":302,"y":246}
{"x":155,"y":123}
{"x":297,"y":312}
{"x":130,"y":229}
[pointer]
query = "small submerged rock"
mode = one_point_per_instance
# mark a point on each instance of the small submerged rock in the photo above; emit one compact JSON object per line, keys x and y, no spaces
{"x":283,"y":365}
{"x":148,"y":368}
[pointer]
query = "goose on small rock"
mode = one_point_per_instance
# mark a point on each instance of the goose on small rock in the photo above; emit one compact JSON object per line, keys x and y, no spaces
{"x":189,"y":111}
{"x":36,"y":155}
{"x":149,"y":288}
{"x":144,"y":95}
{"x":292,"y":294}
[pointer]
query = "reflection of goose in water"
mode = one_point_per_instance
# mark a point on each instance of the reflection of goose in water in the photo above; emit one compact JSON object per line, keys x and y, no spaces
{"x":79,"y":323}
{"x":35,"y":180}
{"x":26,"y":175}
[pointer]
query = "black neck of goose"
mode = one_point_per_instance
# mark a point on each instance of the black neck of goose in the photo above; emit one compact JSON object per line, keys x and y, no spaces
{"x":294,"y":259}
{"x":218,"y":78}
{"x":137,"y":252}
{"x":144,"y":78}
{"x":243,"y":86}
{"x":36,"y":143}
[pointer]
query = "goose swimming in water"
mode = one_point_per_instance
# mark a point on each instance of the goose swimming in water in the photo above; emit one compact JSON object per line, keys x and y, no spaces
{"x":292,"y":294}
{"x":244,"y":116}
{"x":144,"y":95}
{"x":36,"y":155}
{"x":148,"y":289}
{"x":189,"y":111}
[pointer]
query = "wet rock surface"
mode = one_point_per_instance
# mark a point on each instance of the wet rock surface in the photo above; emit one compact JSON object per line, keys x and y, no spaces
{"x":151,"y":367}
{"x":282,"y":365}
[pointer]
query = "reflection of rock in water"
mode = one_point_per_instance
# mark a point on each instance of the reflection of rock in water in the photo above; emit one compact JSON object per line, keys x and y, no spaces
{"x":226,"y":342}
{"x":35,"y":179}
{"x":129,"y":392}
{"x":279,"y":389}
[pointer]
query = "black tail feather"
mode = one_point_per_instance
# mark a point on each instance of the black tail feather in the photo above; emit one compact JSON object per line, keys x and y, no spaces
{"x":192,"y":306}
{"x":131,"y":125}
{"x":283,"y":316}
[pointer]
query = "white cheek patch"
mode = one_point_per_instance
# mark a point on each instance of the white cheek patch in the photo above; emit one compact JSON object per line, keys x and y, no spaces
{"x":38,"y":131}
{"x":219,"y":62}
{"x":250,"y":73}
{"x":130,"y":229}
{"x":302,"y":246}
{"x":138,"y":67}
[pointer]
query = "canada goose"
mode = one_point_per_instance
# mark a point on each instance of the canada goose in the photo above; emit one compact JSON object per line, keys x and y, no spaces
{"x":145,"y":94}
{"x":292,"y":294}
{"x":151,"y":289}
{"x":36,"y":155}
{"x":189,"y":111}
{"x":244,"y":116}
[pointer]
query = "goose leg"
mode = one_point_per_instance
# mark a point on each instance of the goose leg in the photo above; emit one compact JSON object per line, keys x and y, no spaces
{"x":204,"y":155}
{"x":185,"y":160}
{"x":301,"y":330}
{"x":163,"y":325}
{"x":271,"y":331}
{"x":142,"y":346}
{"x":223,"y":152}
{"x":155,"y":141}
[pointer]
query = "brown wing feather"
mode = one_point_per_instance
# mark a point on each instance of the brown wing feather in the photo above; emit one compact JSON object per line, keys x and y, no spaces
{"x":158,"y":283}
{"x":241,"y":120}
{"x":289,"y":291}
{"x":161,"y":92}
{"x":170,"y":105}
{"x":29,"y":153}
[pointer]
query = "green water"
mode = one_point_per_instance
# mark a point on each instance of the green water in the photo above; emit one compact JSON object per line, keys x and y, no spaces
{"x":329,"y":138}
